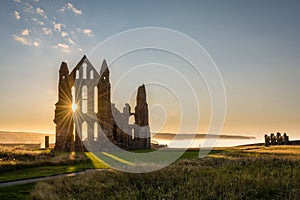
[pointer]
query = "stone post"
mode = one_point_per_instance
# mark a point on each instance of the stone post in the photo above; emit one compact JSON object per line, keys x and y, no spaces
{"x":46,"y":142}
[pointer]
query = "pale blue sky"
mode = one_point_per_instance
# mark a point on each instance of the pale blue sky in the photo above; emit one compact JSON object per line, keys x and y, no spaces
{"x":255,"y":44}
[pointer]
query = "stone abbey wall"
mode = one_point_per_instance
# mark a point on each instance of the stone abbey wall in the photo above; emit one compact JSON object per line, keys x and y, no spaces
{"x":85,"y":116}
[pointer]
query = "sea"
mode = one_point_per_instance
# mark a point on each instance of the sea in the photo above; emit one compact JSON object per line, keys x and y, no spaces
{"x":206,"y":143}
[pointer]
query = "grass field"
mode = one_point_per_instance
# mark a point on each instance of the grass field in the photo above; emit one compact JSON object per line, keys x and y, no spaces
{"x":248,"y":172}
{"x":17,"y":192}
{"x":18,"y":164}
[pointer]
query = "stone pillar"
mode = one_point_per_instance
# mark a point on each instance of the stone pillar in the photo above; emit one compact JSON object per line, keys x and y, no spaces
{"x":141,"y":118}
{"x":46,"y":142}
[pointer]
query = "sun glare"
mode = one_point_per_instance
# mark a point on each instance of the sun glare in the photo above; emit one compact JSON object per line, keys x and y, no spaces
{"x":74,"y":107}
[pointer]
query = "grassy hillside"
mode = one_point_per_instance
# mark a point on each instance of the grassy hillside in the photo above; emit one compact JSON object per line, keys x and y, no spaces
{"x":17,"y":164}
{"x":186,"y":136}
{"x":255,"y":172}
{"x":8,"y":137}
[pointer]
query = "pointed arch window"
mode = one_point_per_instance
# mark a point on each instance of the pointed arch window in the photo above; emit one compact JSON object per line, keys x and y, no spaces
{"x":84,"y":131}
{"x":92,"y":74}
{"x":84,"y":70}
{"x":95,"y":131}
{"x":74,"y":132}
{"x":96,"y":99}
{"x":84,"y":99}
{"x":73,"y":94}
{"x":132,"y":134}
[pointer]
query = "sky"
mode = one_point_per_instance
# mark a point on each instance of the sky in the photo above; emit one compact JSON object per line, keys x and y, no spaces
{"x":254,"y":44}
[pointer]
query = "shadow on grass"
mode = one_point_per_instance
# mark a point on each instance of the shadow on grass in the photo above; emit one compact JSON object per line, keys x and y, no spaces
{"x":16,"y":192}
{"x":15,"y":171}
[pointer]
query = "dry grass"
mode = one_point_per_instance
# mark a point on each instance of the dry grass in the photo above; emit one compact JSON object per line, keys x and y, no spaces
{"x":14,"y":157}
{"x":284,"y":149}
{"x":234,"y":173}
{"x":17,"y":164}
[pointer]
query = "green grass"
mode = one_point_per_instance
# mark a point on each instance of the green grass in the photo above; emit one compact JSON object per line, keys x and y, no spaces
{"x":33,"y":164}
{"x":226,"y":173}
{"x":42,"y":171}
{"x":17,"y":192}
{"x":96,"y":162}
{"x":195,"y":153}
{"x":142,"y":150}
{"x":230,"y":173}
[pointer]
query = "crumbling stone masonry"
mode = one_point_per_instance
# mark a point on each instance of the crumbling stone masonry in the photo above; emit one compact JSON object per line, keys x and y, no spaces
{"x":84,"y":97}
{"x":277,"y":140}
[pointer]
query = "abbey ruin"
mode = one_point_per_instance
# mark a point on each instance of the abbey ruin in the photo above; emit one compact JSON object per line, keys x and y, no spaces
{"x":84,"y":114}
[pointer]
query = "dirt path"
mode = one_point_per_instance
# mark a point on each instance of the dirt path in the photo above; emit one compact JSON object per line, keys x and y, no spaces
{"x":32,"y":180}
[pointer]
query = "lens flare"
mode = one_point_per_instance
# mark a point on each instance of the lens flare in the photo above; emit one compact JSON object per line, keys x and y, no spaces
{"x":74,"y":107}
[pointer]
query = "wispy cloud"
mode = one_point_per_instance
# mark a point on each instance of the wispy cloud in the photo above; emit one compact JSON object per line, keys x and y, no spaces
{"x":38,"y":21}
{"x":58,"y":26}
{"x":36,"y":43}
{"x":71,"y":41}
{"x":64,"y":34}
{"x":63,"y":46}
{"x":22,"y":40}
{"x":41,"y":22}
{"x":62,"y":9}
{"x":26,"y":41}
{"x":71,"y":7}
{"x":25,"y":32}
{"x":75,"y":10}
{"x":29,"y":8}
{"x":17,"y":15}
{"x":41,"y":12}
{"x":47,"y":31}
{"x":88,"y":32}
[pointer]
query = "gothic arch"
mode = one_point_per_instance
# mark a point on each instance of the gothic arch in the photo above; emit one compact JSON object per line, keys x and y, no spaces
{"x":84,"y":99}
{"x":77,"y":74}
{"x":73,"y":93}
{"x":84,"y":131}
{"x":96,"y":99}
{"x":84,"y":71}
{"x":92,"y":74}
{"x":95,"y":131}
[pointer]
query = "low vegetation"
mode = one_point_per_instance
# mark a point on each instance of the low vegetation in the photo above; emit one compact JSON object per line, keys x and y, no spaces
{"x":16,"y":164}
{"x":17,"y":192}
{"x":231,"y":173}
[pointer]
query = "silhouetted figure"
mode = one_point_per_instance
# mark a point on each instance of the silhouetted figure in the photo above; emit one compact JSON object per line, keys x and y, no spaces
{"x":279,"y":138}
{"x":286,"y":139}
{"x":267,"y":140}
{"x":273,"y":139}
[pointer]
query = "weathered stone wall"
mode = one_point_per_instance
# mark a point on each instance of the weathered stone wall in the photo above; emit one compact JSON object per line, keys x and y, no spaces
{"x":112,"y":123}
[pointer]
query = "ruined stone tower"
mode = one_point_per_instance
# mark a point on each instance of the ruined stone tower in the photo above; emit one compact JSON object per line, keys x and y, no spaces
{"x":141,"y":118}
{"x":104,"y":114}
{"x":63,"y":113}
{"x":84,"y":97}
{"x":141,"y":109}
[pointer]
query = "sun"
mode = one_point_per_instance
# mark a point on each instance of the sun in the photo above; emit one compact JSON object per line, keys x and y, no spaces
{"x":74,"y":107}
